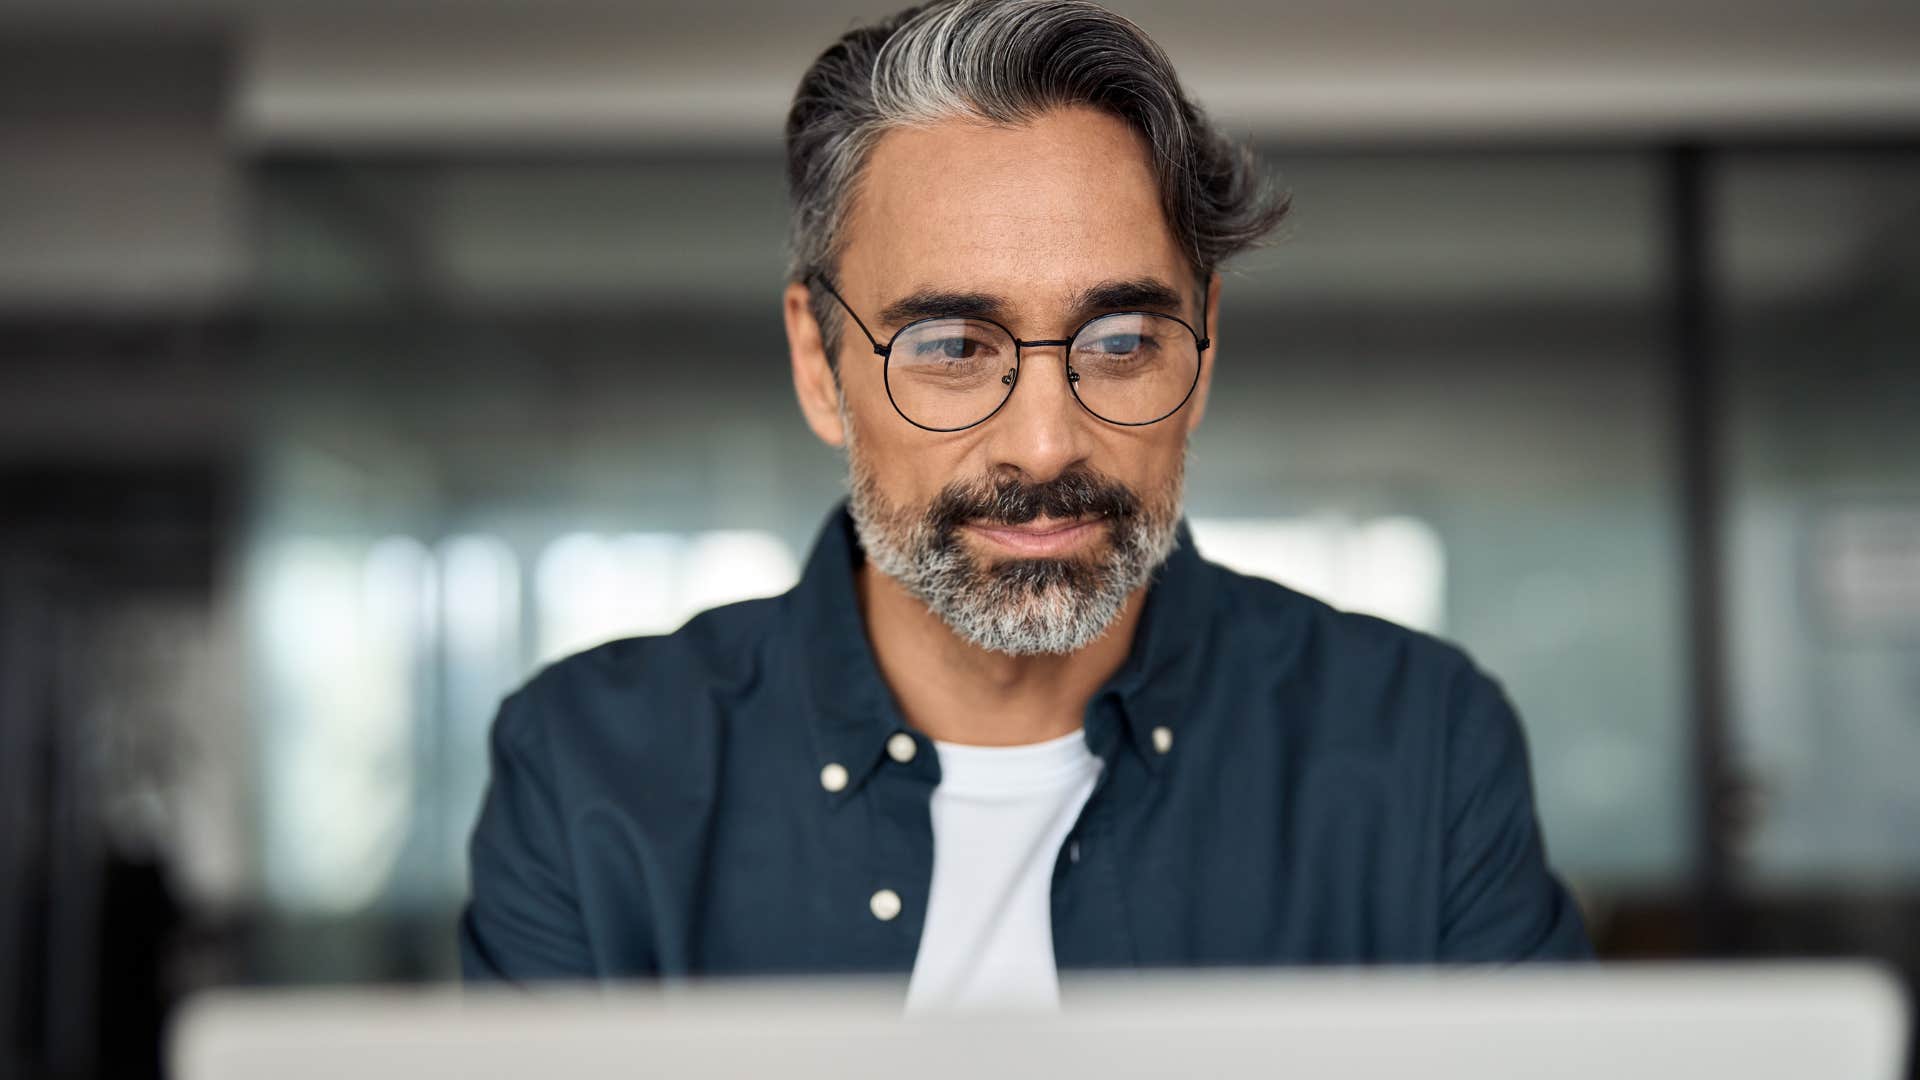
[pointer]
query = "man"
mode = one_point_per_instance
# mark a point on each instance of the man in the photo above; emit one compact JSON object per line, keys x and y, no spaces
{"x":1009,"y":722}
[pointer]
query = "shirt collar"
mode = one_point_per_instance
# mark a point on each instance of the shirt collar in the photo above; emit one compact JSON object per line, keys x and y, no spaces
{"x":853,"y":712}
{"x":1157,"y":685}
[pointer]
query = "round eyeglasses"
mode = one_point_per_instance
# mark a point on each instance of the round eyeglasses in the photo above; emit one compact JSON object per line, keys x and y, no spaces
{"x":1130,"y":368}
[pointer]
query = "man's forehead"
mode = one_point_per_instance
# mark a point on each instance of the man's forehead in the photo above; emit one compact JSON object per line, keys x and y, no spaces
{"x":1039,"y":210}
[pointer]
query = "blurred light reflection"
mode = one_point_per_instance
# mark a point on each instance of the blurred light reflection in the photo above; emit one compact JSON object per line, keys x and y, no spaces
{"x":383,"y":662}
{"x":1392,"y":567}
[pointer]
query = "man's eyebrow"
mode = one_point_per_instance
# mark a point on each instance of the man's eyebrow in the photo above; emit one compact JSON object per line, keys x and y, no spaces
{"x":936,"y":304}
{"x":1136,"y":294}
{"x":1139,"y":294}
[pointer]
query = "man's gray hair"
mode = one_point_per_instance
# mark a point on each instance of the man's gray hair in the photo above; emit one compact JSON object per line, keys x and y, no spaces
{"x":1007,"y":62}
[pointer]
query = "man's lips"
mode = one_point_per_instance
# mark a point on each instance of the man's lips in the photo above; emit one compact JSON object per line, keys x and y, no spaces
{"x":1039,"y":537}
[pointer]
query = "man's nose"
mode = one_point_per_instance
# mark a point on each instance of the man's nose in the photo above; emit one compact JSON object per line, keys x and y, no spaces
{"x":1041,"y":430}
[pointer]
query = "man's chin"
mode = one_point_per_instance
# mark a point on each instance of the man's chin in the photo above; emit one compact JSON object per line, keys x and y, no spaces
{"x":1077,"y":569}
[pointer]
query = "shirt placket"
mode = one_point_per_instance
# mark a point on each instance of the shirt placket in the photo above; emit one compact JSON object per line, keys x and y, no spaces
{"x":888,"y":823}
{"x":1090,"y":918}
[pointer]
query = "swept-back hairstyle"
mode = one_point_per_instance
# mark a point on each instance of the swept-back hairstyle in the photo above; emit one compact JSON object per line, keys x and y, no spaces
{"x":1008,"y":61}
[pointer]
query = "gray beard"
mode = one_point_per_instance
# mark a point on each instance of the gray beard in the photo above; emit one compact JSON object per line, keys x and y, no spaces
{"x":1020,"y":607}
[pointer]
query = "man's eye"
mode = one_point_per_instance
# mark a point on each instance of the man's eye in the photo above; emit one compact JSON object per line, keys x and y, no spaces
{"x":953,"y":348}
{"x":1119,"y":343}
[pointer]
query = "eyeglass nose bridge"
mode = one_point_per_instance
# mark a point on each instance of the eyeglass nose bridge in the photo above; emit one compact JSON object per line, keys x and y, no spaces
{"x":1020,"y":354}
{"x":1012,"y":377}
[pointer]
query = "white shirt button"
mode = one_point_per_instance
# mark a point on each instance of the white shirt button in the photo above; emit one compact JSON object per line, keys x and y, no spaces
{"x":1163,"y":739}
{"x":834,"y":776}
{"x":885,"y":905}
{"x":901,"y":747}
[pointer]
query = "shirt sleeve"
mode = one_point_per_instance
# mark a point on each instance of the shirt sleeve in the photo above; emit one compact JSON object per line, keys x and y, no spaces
{"x":1500,"y":903}
{"x":522,"y":920}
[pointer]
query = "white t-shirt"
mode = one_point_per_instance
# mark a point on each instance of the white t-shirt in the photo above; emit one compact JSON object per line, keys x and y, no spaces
{"x":1000,"y":814}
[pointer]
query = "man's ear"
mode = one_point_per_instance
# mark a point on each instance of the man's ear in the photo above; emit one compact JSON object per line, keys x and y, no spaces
{"x":1197,"y":407}
{"x":813,"y":379}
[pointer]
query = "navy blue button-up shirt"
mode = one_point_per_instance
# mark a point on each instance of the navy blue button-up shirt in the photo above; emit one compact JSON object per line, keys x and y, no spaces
{"x":1337,"y":790}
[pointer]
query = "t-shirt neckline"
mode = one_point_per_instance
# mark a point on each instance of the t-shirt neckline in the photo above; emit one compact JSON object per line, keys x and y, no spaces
{"x":1001,"y":770}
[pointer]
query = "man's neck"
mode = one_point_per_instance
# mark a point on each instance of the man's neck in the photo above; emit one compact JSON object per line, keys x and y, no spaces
{"x":955,"y":691}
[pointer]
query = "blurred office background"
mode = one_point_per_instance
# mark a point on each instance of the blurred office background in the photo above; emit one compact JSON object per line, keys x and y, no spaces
{"x":355,"y":360}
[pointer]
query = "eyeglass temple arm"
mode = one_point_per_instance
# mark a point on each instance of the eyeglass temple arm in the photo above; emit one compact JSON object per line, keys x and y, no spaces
{"x":1201,"y":334}
{"x":878,"y":349}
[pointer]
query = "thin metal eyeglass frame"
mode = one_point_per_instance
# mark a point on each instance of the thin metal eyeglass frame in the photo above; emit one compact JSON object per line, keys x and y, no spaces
{"x":1073,"y":377}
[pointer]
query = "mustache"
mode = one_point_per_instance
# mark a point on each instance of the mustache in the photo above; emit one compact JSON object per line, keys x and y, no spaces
{"x":1077,"y":493}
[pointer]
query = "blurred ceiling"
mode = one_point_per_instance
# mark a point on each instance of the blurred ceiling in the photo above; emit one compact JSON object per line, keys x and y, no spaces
{"x":721,"y":71}
{"x":1316,"y":70}
{"x":127,"y":127}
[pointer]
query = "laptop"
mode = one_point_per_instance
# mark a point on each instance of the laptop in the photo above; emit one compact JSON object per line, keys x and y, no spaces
{"x":1755,"y":1022}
